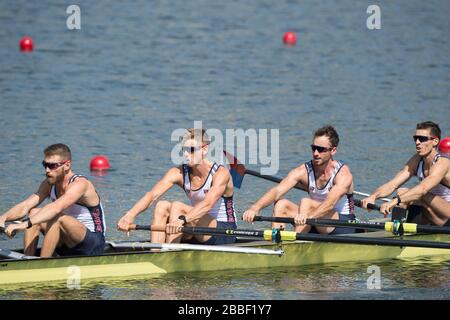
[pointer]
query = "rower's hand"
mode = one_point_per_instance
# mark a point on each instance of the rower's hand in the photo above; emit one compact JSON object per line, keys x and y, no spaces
{"x":386,"y":207}
{"x":174,"y":226}
{"x":366,"y":201}
{"x":124,"y":223}
{"x":300,"y":218}
{"x":249,"y":215}
{"x":12,"y":229}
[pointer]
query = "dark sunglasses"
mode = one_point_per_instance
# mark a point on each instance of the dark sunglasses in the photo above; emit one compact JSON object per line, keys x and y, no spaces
{"x":423,"y":138}
{"x":192,"y":149}
{"x":320,"y":149}
{"x":54,"y":165}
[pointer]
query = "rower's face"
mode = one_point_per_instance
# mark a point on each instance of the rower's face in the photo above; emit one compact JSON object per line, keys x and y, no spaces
{"x":425,"y":147}
{"x":321,"y":158}
{"x":194,"y":152}
{"x":55,"y":168}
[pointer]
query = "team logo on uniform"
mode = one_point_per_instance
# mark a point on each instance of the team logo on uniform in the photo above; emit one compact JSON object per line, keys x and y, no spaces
{"x":206,"y":191}
{"x":311,"y":189}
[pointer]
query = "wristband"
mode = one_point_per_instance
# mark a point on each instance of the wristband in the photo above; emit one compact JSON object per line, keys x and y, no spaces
{"x":183,"y":218}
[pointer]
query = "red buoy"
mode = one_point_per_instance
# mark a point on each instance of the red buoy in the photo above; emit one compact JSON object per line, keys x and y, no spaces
{"x":99,"y":163}
{"x":290,"y":38}
{"x":444,"y":146}
{"x":26,"y":44}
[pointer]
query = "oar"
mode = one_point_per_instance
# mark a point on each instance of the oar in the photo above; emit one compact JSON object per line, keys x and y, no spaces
{"x":9,"y":254}
{"x":195,"y":247}
{"x":394,"y":227}
{"x":238,"y":170}
{"x":277,"y":235}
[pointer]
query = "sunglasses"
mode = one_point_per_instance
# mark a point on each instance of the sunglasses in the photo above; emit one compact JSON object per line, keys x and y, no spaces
{"x":192,"y":149}
{"x":320,"y":149}
{"x":423,"y":138}
{"x":54,"y":165}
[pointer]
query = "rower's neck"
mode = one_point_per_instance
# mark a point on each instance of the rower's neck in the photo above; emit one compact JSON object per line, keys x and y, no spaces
{"x":430,"y":157}
{"x":325,"y":168}
{"x":202,"y":169}
{"x":64,"y":182}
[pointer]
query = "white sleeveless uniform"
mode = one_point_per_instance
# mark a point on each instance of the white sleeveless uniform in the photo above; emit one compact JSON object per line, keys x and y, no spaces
{"x":223,"y":209}
{"x":345,"y":206}
{"x":91,"y":217}
{"x":440,"y":190}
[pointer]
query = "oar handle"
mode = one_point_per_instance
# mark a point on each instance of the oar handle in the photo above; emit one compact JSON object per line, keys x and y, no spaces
{"x":371,"y":206}
{"x":274,"y":219}
{"x":146,"y":227}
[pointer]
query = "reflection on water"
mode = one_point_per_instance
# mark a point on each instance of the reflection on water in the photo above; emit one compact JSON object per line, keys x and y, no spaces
{"x":424,"y":278}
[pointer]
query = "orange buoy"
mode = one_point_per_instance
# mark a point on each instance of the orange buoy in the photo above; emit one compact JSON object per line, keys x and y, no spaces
{"x":99,"y":163}
{"x":26,"y":44}
{"x":290,"y":38}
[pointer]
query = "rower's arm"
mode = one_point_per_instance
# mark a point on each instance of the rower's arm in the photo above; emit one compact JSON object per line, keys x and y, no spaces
{"x":437,"y":173}
{"x":408,"y":171}
{"x":217,"y":190}
{"x":24,"y":207}
{"x":276,"y":193}
{"x":74,"y":192}
{"x":342,"y":186}
{"x":172,"y":176}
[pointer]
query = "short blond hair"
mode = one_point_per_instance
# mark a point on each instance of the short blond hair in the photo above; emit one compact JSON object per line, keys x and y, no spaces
{"x":196,"y":134}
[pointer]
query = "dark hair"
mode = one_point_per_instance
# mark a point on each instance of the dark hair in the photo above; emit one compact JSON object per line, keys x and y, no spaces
{"x":430,"y":125}
{"x":58,"y":149}
{"x":330,"y":132}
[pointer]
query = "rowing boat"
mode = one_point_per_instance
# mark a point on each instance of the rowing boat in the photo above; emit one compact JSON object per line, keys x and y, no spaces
{"x":127,"y":259}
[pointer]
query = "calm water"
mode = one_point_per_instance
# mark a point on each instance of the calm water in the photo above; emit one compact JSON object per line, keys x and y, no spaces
{"x":137,"y":71}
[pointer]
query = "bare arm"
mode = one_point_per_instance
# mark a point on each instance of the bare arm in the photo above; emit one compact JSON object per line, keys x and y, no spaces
{"x":275,"y":194}
{"x":437,"y":173}
{"x":343,"y":185}
{"x":408,"y":171}
{"x":74,"y":192}
{"x":24,"y":207}
{"x":172,"y":176}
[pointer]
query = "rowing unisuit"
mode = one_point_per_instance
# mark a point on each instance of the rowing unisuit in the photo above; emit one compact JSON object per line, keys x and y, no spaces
{"x":345,"y":206}
{"x":223,"y":210}
{"x":440,"y":190}
{"x":92,"y":217}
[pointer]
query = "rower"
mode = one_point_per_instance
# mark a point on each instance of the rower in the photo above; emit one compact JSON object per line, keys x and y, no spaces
{"x":329,"y":183}
{"x":73,"y":223}
{"x":208,"y":186}
{"x":432,"y":195}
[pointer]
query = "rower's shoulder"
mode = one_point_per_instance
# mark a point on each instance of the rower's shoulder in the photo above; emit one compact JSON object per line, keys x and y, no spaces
{"x":222,"y":171}
{"x":345,"y":168}
{"x":298,"y":172}
{"x":414,"y":160}
{"x":443,"y":161}
{"x":80,"y":180}
{"x":174,"y":173}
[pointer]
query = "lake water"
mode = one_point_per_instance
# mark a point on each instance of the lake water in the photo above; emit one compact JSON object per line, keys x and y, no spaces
{"x":138,"y":70}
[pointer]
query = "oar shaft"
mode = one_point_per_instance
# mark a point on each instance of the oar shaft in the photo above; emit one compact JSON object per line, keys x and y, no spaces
{"x":272,"y":178}
{"x":373,"y":241}
{"x":291,"y":235}
{"x":324,"y":222}
{"x":387,"y":226}
{"x":203,"y":230}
